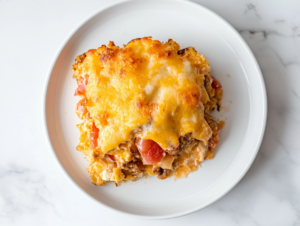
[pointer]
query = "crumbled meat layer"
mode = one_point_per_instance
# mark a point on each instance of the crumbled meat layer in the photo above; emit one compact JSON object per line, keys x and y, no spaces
{"x":133,"y":169}
{"x":215,"y":96}
{"x":160,"y":172}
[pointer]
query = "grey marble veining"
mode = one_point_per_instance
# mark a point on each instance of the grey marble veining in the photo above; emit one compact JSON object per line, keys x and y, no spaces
{"x":34,"y":192}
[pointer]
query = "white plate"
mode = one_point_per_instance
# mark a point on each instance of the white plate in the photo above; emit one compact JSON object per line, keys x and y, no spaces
{"x":232,"y":63}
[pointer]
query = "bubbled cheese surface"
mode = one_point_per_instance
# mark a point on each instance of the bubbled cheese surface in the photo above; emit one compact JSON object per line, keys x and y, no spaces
{"x":147,"y":85}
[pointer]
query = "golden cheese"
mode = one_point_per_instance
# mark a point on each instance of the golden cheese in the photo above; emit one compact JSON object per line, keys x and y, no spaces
{"x":146,"y":85}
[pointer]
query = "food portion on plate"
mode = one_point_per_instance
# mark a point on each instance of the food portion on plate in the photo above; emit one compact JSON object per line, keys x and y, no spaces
{"x":145,"y":110}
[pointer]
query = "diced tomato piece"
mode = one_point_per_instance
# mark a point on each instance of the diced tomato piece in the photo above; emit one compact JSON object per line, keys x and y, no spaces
{"x":216,"y":84}
{"x":81,"y":87}
{"x":80,"y":90}
{"x":112,"y":157}
{"x":94,"y":136}
{"x":86,"y":81}
{"x":150,"y":151}
{"x":88,"y":115}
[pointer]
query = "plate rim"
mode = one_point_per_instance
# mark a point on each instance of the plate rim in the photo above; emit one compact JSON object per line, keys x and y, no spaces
{"x":223,"y":193}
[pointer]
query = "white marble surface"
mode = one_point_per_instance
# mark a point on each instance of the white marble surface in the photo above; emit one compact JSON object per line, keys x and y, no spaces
{"x":33,"y":191}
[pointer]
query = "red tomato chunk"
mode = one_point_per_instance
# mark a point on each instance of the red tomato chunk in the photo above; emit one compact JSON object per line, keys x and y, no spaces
{"x":216,"y":84}
{"x":94,"y":136}
{"x":112,"y":157}
{"x":150,"y":151}
{"x":81,"y":87}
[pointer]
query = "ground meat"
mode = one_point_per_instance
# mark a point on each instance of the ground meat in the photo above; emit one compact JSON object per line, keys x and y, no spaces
{"x":213,"y":141}
{"x":186,"y":140}
{"x":215,"y":96}
{"x":160,"y":172}
{"x":134,"y":152}
{"x":134,"y":168}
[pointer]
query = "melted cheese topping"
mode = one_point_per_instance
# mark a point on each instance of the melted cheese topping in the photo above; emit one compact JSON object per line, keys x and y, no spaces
{"x":146,"y":84}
